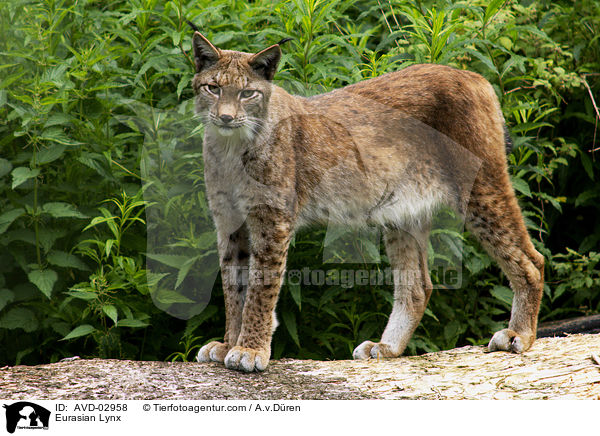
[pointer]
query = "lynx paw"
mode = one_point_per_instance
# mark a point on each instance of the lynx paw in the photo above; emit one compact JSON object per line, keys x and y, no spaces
{"x":213,"y":352}
{"x":372,"y":350}
{"x":509,"y":340}
{"x":247,"y":359}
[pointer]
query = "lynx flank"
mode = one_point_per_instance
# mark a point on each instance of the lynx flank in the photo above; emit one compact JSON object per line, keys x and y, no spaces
{"x":386,"y":151}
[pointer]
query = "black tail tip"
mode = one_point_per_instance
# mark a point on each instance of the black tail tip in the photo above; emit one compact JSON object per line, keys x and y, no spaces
{"x":508,"y":143}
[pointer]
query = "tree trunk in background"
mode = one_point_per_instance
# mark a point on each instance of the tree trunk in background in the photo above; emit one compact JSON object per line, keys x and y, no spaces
{"x":582,"y":324}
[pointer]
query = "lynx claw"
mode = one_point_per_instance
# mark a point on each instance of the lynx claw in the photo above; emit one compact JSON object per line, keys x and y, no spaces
{"x":213,"y":352}
{"x":247,"y":359}
{"x":509,"y":340}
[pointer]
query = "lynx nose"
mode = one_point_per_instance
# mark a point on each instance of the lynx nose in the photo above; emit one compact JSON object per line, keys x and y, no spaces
{"x":226,"y":118}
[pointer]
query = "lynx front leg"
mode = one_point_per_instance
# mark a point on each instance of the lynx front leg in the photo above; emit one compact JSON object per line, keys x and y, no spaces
{"x":233,"y":257}
{"x":412,"y":288}
{"x":270,"y":232}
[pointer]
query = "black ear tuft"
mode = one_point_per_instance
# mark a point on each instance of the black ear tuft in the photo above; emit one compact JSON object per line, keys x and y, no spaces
{"x":193,"y":26}
{"x":264,"y":63}
{"x":284,"y":40}
{"x":205,"y":54}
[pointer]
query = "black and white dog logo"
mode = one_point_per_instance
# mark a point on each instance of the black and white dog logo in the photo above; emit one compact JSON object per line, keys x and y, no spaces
{"x":26,"y":415}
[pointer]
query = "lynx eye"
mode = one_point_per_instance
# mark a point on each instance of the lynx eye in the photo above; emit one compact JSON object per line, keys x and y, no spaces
{"x":248,"y":93}
{"x":213,"y":89}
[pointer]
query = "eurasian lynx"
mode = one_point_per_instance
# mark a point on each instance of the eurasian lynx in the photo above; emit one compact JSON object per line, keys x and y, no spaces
{"x":385,"y":151}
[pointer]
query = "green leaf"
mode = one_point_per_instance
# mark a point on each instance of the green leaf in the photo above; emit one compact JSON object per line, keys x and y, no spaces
{"x":56,"y":134}
{"x":66,"y":260}
{"x":167,"y":296}
{"x":506,"y":43}
{"x":171,"y":260}
{"x":5,"y":167}
{"x":584,"y":197}
{"x":21,"y":174}
{"x":77,"y":332}
{"x":521,"y":186}
{"x":152,"y":279}
{"x":49,"y":235}
{"x":184,"y":270}
{"x":552,"y":200}
{"x":452,"y":330}
{"x":183,"y":83}
{"x":296,"y":293}
{"x":484,"y":59}
{"x":130,"y":322}
{"x":587,"y":164}
{"x":44,"y":279}
{"x":372,"y":251}
{"x":19,"y":318}
{"x":58,"y":119}
{"x":62,"y":210}
{"x":289,"y":320}
{"x":503,"y":294}
{"x":429,"y":313}
{"x":6,"y":296}
{"x":527,"y":127}
{"x":50,"y":154}
{"x":81,"y":294}
{"x":98,"y":163}
{"x":108,"y":246}
{"x":206,"y":240}
{"x":111,"y":312}
{"x":10,"y":79}
{"x":109,"y":220}
{"x":491,"y":9}
{"x":560,"y":289}
{"x":7,"y":218}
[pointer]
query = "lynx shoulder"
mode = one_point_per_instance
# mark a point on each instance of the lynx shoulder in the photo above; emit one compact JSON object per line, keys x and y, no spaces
{"x":388,"y":152}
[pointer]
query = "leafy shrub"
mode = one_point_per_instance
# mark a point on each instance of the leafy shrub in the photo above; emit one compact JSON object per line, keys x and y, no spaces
{"x":72,"y":217}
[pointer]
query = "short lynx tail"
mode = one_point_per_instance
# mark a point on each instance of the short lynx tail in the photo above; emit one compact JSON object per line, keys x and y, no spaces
{"x":508,"y":143}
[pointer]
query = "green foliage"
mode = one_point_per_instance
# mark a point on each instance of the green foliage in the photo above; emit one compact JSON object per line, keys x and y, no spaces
{"x":111,"y":294}
{"x":73,"y":232}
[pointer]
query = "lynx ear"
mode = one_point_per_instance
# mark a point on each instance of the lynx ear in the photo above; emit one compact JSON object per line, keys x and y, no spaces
{"x":264,"y":63}
{"x":205,"y":53}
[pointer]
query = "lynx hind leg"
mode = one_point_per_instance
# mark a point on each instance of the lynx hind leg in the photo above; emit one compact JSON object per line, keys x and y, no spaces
{"x":407,"y":252}
{"x":495,"y":218}
{"x":233,"y":257}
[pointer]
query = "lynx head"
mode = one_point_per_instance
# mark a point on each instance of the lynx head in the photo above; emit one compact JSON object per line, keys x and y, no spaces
{"x":233,"y":88}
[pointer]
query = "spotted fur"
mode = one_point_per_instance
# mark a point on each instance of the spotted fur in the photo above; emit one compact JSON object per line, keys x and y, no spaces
{"x":387,"y":151}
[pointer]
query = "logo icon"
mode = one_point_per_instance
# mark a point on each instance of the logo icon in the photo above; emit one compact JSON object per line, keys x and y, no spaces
{"x":26,"y":415}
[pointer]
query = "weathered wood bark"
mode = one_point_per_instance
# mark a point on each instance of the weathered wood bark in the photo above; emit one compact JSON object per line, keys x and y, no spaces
{"x":553,"y":368}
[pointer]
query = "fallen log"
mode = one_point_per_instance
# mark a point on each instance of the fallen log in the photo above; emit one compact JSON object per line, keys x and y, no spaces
{"x":582,"y":324}
{"x":554,"y":368}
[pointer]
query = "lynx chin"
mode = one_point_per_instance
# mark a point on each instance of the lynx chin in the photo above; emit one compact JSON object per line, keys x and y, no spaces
{"x":387,"y":151}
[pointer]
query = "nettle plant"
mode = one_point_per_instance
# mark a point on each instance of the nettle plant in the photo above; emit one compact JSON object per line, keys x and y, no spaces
{"x":71,"y":71}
